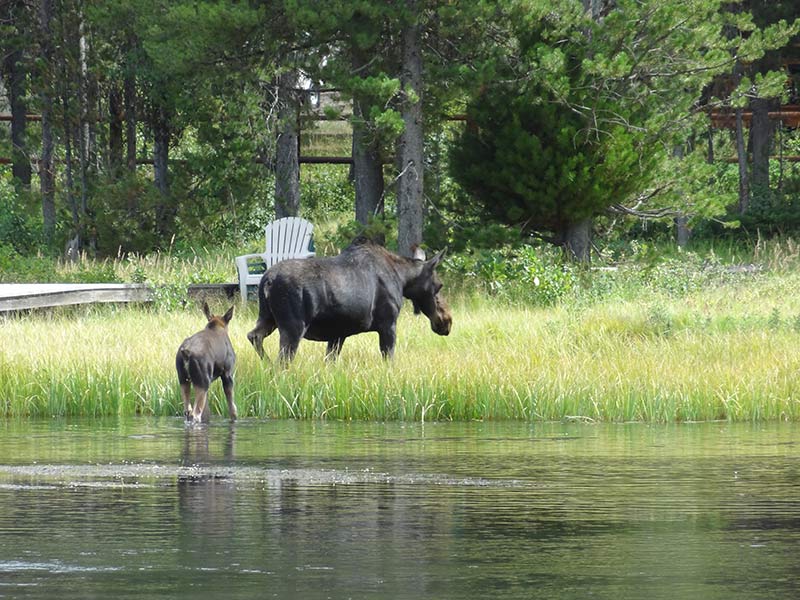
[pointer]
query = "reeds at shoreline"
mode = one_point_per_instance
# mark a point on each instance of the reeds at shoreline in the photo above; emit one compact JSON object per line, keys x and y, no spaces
{"x":727,"y":352}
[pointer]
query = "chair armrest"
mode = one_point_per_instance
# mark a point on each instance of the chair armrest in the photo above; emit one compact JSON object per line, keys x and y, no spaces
{"x":241,"y":263}
{"x":248,"y":256}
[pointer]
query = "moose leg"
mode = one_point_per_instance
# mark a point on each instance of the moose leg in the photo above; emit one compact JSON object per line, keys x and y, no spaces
{"x":386,"y":339}
{"x":227,"y":386}
{"x":289,"y":343}
{"x":259,"y":332}
{"x":186,"y":390}
{"x":184,"y":378}
{"x":334,"y":348}
{"x":200,"y":412}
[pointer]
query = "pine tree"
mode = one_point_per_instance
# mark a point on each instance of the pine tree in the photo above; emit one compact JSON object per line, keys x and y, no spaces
{"x":593,"y":102}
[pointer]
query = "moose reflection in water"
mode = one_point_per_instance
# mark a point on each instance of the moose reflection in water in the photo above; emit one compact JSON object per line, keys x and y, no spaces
{"x":207,"y":496}
{"x":328,"y":299}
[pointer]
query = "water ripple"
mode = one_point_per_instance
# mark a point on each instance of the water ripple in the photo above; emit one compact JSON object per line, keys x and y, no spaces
{"x":127,"y":475}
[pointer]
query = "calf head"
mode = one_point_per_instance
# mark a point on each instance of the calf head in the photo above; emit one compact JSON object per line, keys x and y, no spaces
{"x":423,"y":291}
{"x":215,"y":321}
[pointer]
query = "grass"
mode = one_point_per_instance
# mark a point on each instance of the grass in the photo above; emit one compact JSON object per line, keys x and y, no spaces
{"x":675,"y":350}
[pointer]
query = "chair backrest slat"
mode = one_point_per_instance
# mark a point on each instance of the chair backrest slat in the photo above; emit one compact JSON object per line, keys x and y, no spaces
{"x":286,"y":238}
{"x":289,"y":237}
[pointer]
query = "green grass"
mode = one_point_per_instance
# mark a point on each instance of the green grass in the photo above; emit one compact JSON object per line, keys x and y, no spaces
{"x":727,"y":349}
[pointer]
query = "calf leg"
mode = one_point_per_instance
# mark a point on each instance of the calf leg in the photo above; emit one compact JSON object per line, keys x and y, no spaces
{"x":227,"y":386}
{"x":184,"y":378}
{"x":201,"y":411}
{"x":186,"y":390}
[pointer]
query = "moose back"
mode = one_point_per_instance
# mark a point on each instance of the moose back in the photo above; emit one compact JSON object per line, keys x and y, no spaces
{"x":328,"y":299}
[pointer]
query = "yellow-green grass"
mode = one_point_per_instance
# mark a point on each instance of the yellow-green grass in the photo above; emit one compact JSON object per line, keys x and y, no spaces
{"x":728,"y":352}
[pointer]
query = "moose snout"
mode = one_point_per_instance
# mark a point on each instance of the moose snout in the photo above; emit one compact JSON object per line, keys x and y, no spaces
{"x":444,"y":320}
{"x":443,"y":326}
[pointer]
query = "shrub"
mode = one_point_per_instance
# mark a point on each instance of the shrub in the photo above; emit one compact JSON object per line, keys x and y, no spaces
{"x":20,"y":227}
{"x":528,"y":274}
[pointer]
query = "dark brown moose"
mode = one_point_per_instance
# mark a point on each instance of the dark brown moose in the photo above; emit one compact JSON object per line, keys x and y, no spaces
{"x":201,"y":359}
{"x":328,"y":299}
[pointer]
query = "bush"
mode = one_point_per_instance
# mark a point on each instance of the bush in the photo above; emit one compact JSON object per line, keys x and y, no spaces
{"x":20,"y":226}
{"x":326,"y":191}
{"x":527,"y":274}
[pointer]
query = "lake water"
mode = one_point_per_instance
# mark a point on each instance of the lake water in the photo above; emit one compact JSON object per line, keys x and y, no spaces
{"x":145,"y":508}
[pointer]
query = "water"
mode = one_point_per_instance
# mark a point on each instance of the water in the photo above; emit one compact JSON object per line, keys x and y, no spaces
{"x":143,"y":508}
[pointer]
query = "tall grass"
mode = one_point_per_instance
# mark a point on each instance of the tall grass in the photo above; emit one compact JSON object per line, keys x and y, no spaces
{"x":721,"y":350}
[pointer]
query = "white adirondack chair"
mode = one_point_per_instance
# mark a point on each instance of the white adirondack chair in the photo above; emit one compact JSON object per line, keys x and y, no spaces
{"x":289,"y":237}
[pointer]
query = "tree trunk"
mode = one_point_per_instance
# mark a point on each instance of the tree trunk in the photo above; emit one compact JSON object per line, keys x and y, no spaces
{"x":741,"y":152}
{"x":165,"y":211}
{"x":69,"y":130}
{"x":577,"y":240}
{"x":287,"y":163}
{"x":115,"y":116}
{"x":411,"y":146}
{"x":760,"y":141}
{"x":46,"y":174}
{"x":129,"y":99}
{"x":15,"y":86}
{"x":84,"y":131}
{"x":367,"y":166}
{"x":594,"y":7}
{"x":73,"y":204}
{"x":710,"y":155}
{"x":367,"y":170}
{"x":682,"y":231}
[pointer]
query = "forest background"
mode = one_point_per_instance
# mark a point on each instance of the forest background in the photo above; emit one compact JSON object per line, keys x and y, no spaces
{"x":470,"y":124}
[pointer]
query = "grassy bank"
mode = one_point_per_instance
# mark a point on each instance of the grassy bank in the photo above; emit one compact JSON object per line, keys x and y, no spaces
{"x":672,"y":346}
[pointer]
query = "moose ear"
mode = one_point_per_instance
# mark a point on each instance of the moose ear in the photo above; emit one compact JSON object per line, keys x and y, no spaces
{"x":437,"y":258}
{"x":228,"y":315}
{"x":207,"y":311}
{"x":418,"y":253}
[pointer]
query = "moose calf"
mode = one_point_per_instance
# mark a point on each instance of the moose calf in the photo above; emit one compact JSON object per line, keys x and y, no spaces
{"x":202,"y":358}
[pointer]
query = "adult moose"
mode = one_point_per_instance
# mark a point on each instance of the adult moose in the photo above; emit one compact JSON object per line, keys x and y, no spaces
{"x":328,"y":299}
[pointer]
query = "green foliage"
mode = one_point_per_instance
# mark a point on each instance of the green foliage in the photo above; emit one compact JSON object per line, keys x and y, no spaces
{"x":774,"y":212}
{"x":536,"y":276}
{"x":529,"y":162}
{"x":15,"y":268}
{"x":126,"y":222}
{"x":381,"y":229}
{"x":325,"y":190}
{"x":688,"y":183}
{"x":567,"y":114}
{"x":590,"y":112}
{"x":20,"y":227}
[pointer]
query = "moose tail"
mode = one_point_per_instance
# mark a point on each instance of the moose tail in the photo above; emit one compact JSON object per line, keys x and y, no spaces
{"x":264,"y":311}
{"x":182,"y":364}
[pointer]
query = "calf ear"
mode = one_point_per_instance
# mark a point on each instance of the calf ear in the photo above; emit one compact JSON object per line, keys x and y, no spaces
{"x":432,"y":263}
{"x":418,"y":253}
{"x":207,"y":311}
{"x":228,"y":316}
